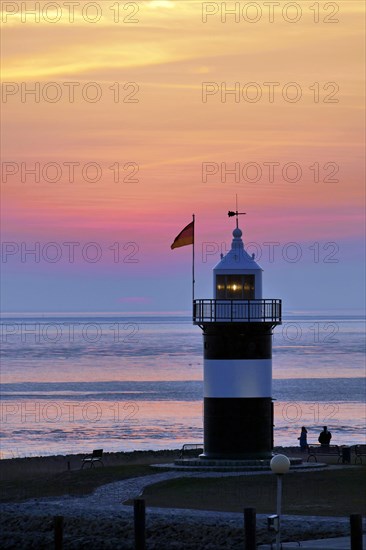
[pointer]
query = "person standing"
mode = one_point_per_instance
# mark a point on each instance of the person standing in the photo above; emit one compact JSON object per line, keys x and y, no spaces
{"x":324,"y":437}
{"x":303,"y":439}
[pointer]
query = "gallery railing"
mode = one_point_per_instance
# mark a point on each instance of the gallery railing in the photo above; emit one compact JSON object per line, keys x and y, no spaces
{"x":244,"y":311}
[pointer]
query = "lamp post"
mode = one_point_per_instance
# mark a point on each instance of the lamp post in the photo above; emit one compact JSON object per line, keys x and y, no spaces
{"x":280,"y":465}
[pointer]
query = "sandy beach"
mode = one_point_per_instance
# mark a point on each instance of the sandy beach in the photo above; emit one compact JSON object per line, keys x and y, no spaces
{"x":96,"y":506}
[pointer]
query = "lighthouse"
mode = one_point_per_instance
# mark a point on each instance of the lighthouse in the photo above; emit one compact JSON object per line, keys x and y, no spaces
{"x":237,"y":326}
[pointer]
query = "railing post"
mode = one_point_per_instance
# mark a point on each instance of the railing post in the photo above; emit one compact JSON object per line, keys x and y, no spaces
{"x":58,"y":522}
{"x":356,"y":531}
{"x":139,"y":523}
{"x":250,"y":528}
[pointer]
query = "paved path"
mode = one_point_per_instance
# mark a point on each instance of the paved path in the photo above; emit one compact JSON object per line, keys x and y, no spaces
{"x":108,"y":501}
{"x":109,"y":498}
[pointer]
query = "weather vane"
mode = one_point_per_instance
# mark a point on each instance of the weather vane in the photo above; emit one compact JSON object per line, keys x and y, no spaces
{"x":236,"y":213}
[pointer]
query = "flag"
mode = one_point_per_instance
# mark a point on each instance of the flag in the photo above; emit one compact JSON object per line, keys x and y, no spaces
{"x":185,"y":237}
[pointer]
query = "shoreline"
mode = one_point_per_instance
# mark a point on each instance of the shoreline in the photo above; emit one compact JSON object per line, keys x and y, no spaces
{"x":109,"y":458}
{"x":292,"y":449}
{"x":25,"y":466}
{"x":112,"y":458}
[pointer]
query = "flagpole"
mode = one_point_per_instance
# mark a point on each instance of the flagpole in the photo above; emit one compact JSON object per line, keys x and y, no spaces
{"x":193,"y":281}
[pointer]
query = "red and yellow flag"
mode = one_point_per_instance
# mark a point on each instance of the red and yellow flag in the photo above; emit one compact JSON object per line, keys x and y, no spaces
{"x":185,"y":237}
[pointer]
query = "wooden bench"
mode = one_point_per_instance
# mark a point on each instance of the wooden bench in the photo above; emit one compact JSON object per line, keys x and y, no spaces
{"x":360,"y":451}
{"x":96,"y":456}
{"x":322,"y":450}
{"x":192,"y":449}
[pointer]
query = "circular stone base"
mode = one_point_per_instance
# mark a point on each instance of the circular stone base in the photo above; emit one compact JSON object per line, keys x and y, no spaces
{"x":202,"y":465}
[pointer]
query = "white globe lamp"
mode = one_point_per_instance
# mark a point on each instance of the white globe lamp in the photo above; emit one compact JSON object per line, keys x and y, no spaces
{"x":280,"y":465}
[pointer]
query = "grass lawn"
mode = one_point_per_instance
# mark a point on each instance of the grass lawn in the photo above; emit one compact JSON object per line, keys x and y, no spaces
{"x":333,"y":492}
{"x":37,"y":477}
{"x":77,"y":482}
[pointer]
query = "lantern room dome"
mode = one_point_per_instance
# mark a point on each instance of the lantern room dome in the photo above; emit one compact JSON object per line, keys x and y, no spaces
{"x":237,"y":276}
{"x":237,"y":259}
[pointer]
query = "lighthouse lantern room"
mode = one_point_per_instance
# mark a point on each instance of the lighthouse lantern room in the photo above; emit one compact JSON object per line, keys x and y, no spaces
{"x":237,"y":327}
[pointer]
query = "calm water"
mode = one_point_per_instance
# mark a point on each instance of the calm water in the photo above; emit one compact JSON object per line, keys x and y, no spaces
{"x":71,"y":384}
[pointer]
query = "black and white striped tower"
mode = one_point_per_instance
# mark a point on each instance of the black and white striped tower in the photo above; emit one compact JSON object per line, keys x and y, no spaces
{"x":237,"y":334}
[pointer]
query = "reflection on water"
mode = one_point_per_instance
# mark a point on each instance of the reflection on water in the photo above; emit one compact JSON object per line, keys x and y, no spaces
{"x":126,"y":384}
{"x":57,"y":427}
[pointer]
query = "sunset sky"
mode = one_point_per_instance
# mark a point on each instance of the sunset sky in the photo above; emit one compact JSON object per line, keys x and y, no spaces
{"x":161,"y":131}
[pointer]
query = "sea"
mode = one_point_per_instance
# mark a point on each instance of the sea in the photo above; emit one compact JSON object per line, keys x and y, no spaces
{"x":73,"y":383}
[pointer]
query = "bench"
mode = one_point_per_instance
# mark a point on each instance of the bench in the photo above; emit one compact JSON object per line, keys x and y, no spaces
{"x":321,"y":450}
{"x":96,"y":456}
{"x":360,"y":451}
{"x":192,"y":449}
